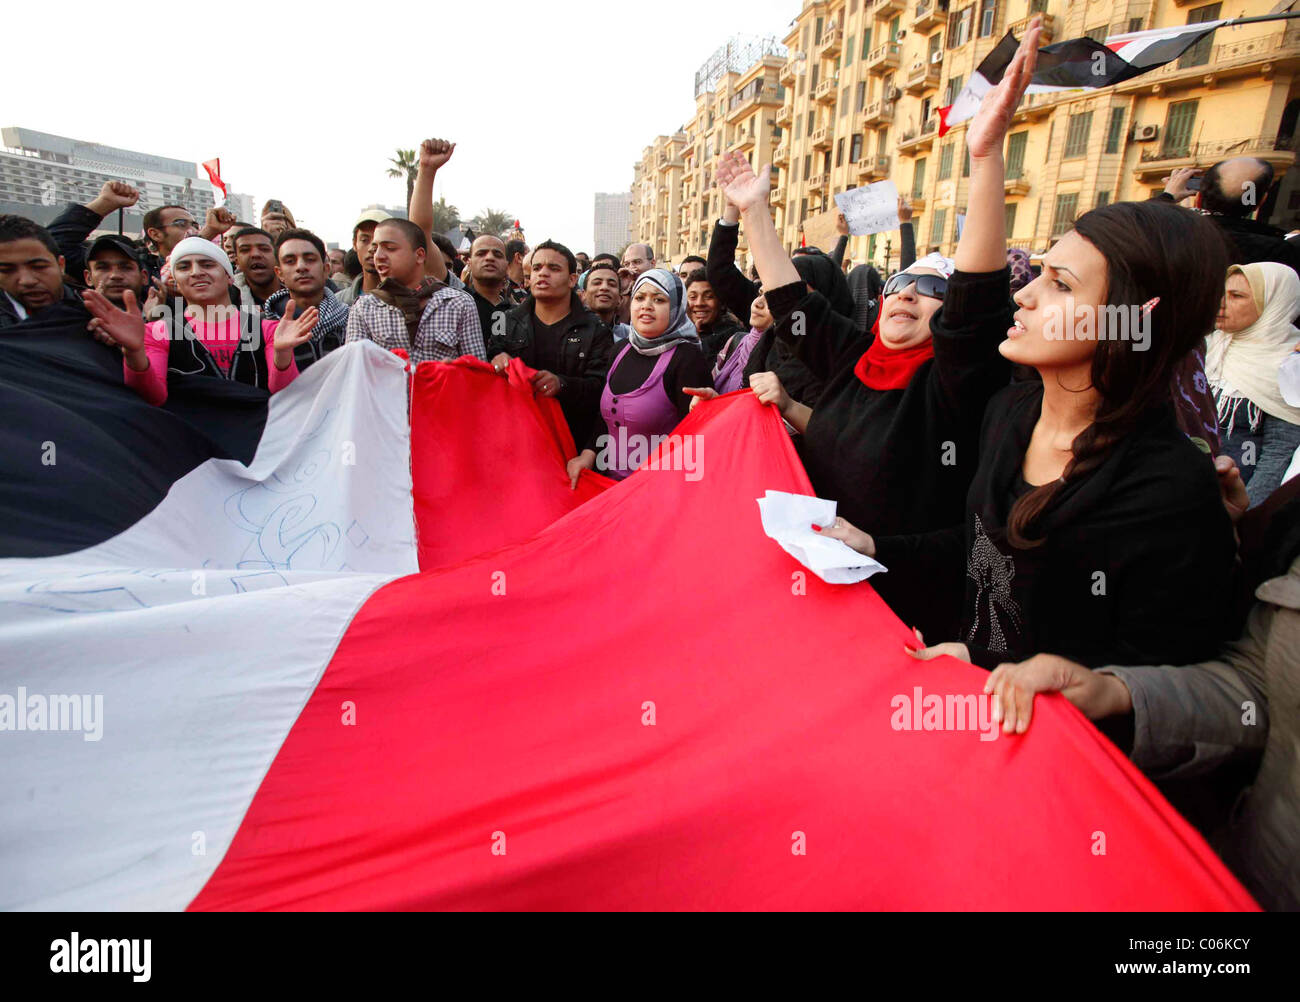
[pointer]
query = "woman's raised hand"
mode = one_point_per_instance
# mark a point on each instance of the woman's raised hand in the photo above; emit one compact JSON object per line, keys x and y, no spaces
{"x":742,"y":187}
{"x":989,"y":126}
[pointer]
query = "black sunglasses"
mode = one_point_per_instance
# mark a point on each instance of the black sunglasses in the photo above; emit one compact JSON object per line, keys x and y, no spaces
{"x":933,"y":286}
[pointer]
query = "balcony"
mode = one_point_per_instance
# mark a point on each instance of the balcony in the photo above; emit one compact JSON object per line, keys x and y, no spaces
{"x":927,"y":14}
{"x":912,"y":142}
{"x":1264,"y":56}
{"x":668,"y":160}
{"x":785,"y":116}
{"x":1153,"y":164}
{"x":822,"y":139}
{"x":917,"y":201}
{"x":818,"y":182}
{"x":744,"y":141}
{"x":886,"y":8}
{"x":825,"y":92}
{"x":922,"y":76}
{"x":1017,"y":28}
{"x":792,"y":68}
{"x":832,"y":40}
{"x":742,"y":104}
{"x":878,"y":113}
{"x":777,"y":197}
{"x":873,"y":168}
{"x":882,"y":58}
{"x":782,"y":155}
{"x":1018,"y":185}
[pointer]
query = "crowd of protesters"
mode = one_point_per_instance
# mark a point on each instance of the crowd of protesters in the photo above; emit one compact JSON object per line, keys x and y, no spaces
{"x":1109,"y":515}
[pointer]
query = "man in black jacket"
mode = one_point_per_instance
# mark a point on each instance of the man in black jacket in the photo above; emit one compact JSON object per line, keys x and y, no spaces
{"x":552,"y":332}
{"x":31,"y":271}
{"x":1231,"y":191}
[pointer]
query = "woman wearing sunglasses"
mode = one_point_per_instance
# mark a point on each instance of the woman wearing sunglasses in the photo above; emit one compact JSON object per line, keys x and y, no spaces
{"x":1093,"y":528}
{"x":893,"y":438}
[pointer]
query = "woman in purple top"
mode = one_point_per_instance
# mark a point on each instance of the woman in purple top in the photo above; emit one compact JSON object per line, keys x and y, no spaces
{"x":644,"y":396}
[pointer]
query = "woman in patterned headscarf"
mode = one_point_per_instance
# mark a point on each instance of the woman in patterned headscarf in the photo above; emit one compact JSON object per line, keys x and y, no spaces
{"x":645,"y":396}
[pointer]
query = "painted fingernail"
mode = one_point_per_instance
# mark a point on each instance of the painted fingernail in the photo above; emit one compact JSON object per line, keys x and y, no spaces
{"x":816,"y":527}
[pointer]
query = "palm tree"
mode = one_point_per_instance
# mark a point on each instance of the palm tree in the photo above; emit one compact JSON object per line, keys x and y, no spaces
{"x":405,"y":164}
{"x":445,"y":217}
{"x":493,"y":222}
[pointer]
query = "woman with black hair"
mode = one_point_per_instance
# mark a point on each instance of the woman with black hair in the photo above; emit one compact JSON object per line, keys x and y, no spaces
{"x":1094,"y":528}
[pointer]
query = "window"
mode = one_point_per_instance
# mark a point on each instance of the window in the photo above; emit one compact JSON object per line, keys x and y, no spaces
{"x":844,"y":102}
{"x":1037,"y":7}
{"x":918,"y":178}
{"x":988,"y":17}
{"x":882,"y":142}
{"x":965,"y":162}
{"x":798,"y":124}
{"x":953,"y":89}
{"x":839,"y":153}
{"x":1103,"y":198}
{"x":959,"y":27}
{"x":1076,"y":139}
{"x":812,"y":122}
{"x":1135,"y":24}
{"x":860,"y":101}
{"x":848,"y":52}
{"x":937,"y":227}
{"x":807,"y":166}
{"x":1009,"y":218}
{"x":1097,"y":34}
{"x":826,"y":161}
{"x":866,"y":42}
{"x":817,"y":36}
{"x":1067,"y":206}
{"x":1016,"y":154}
{"x":855,"y":149}
{"x":1115,"y":131}
{"x":1199,"y":54}
{"x":935,"y":45}
{"x":817,"y":75}
{"x":945,"y":161}
{"x":803,"y":209}
{"x":1178,"y":128}
{"x":893,"y":29}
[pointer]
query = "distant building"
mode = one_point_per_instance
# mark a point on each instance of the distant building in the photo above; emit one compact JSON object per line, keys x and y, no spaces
{"x":41,"y":174}
{"x":396,"y":211}
{"x":611,"y":222}
{"x":243,"y":207}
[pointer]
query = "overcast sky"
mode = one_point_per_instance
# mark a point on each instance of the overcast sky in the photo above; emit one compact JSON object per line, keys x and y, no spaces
{"x":549,"y":103}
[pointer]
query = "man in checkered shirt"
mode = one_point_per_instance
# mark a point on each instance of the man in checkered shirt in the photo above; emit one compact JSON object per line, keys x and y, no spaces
{"x":410,"y":310}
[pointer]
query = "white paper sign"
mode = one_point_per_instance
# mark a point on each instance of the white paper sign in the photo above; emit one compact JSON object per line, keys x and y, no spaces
{"x":788,"y":519}
{"x":870,"y":209}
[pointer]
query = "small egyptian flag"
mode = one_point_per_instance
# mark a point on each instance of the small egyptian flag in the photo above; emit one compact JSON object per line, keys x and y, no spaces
{"x":213,"y":167}
{"x":1076,"y":64}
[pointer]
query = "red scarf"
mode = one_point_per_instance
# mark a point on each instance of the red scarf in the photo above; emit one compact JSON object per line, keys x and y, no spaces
{"x":885,"y":368}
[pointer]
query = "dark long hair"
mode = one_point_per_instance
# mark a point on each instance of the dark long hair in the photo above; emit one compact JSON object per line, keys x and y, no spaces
{"x":1151,"y":249}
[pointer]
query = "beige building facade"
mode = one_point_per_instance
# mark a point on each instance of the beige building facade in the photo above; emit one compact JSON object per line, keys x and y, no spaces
{"x":862,"y":81}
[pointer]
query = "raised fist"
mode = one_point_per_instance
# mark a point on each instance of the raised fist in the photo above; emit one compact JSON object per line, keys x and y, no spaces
{"x":435,"y":152}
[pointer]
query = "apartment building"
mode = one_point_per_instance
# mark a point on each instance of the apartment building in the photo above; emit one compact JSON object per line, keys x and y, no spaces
{"x":863,"y":79}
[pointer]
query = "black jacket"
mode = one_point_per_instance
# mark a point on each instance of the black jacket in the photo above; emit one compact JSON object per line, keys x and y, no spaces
{"x":900,"y":462}
{"x":1250,"y":240}
{"x":1137,"y":563}
{"x":70,"y":229}
{"x":70,"y":299}
{"x":586,"y":350}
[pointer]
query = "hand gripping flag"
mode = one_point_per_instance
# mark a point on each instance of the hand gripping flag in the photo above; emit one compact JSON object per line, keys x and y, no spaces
{"x":1076,"y":64}
{"x":224,"y":685}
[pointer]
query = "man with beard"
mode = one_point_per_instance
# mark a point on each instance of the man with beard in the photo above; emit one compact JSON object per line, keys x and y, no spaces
{"x":488,"y":284}
{"x":300,"y":265}
{"x":255,"y":258}
{"x":555,"y":334}
{"x":410,"y":310}
{"x":112,"y":267}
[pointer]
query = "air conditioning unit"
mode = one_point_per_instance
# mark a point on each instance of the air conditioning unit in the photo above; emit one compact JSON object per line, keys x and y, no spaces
{"x":936,"y":57}
{"x":894,"y":94}
{"x":1145,"y":133}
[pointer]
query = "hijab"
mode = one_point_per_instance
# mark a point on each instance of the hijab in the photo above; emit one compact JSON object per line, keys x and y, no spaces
{"x":826,"y":277}
{"x":680,"y":329}
{"x":1245,"y":365}
{"x":885,"y":368}
{"x":1022,"y":272}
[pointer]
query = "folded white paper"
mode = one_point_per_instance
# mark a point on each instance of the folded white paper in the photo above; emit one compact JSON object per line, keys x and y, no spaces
{"x":789,"y":518}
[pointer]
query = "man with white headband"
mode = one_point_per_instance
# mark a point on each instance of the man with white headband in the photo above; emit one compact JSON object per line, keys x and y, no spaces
{"x":208,"y":335}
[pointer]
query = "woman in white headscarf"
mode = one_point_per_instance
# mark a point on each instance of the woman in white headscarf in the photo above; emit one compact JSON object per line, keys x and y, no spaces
{"x":1255,"y":336}
{"x":645,"y":396}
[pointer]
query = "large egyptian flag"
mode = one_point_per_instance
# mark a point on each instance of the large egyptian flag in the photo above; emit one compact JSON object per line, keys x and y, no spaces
{"x":372,"y":652}
{"x":1076,"y":64}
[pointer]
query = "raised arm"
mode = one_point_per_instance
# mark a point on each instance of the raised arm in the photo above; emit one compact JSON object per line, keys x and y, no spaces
{"x":983,"y":244}
{"x":749,"y":193}
{"x":734,"y":290}
{"x":433,"y":154}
